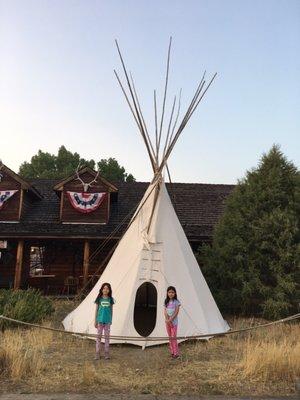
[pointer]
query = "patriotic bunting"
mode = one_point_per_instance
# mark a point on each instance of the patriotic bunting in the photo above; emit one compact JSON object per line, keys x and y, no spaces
{"x":86,"y":202}
{"x":5,"y":195}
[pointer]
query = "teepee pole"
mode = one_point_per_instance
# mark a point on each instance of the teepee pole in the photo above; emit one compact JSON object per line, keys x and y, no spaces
{"x":157,"y":189}
{"x":142,"y":117}
{"x":154,"y":167}
{"x":193,"y":105}
{"x":197,"y":92}
{"x":127,"y":99}
{"x":203,"y":94}
{"x":156,"y":126}
{"x":169,"y":127}
{"x":165,"y":93}
{"x":175,"y":122}
{"x":194,"y":99}
{"x":132,"y":110}
{"x":171,"y":137}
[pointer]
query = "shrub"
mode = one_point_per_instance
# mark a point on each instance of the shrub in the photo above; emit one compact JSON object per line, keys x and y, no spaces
{"x":25,"y":305}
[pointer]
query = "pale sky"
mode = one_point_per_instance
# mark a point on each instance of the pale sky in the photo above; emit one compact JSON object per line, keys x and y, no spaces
{"x":57,"y":85}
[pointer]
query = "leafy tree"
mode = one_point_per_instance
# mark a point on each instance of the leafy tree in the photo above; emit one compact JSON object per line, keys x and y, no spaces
{"x":112,"y":171}
{"x":42,"y":165}
{"x":253,"y":265}
{"x":67,"y":162}
{"x":47,"y":166}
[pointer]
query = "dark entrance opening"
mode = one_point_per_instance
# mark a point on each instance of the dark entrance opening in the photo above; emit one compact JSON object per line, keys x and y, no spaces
{"x":145,"y":309}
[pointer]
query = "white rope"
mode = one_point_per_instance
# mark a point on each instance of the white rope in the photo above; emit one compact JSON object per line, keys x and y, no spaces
{"x":149,"y":338}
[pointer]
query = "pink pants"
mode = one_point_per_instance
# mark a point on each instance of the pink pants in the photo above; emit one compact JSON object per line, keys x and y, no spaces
{"x":172,"y":332}
{"x":106,"y":329}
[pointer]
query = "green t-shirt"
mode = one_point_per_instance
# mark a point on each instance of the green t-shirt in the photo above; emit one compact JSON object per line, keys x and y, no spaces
{"x":104,"y":315}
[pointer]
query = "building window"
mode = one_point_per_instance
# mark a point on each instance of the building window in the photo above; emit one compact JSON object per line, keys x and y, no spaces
{"x":37,"y":260}
{"x":4,"y":255}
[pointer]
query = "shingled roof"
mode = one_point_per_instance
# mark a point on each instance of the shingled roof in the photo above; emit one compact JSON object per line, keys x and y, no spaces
{"x":198,"y":206}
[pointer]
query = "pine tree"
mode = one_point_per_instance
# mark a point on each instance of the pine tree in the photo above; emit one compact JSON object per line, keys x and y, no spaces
{"x":253,"y":265}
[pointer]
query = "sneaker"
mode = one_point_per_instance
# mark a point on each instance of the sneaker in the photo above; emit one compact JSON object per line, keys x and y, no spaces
{"x":175,"y":356}
{"x":97,"y":356}
{"x":107,"y":356}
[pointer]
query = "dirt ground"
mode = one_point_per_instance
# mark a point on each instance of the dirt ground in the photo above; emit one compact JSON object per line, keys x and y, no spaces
{"x":64,"y":366}
{"x":67,"y":396}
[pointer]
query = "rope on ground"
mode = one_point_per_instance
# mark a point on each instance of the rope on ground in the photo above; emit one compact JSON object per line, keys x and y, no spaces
{"x":149,"y":338}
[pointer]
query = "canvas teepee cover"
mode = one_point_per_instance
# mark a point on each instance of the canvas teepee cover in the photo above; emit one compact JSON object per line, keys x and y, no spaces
{"x":153,"y":254}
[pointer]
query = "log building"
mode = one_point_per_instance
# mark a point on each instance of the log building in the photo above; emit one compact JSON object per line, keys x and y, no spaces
{"x":54,"y":235}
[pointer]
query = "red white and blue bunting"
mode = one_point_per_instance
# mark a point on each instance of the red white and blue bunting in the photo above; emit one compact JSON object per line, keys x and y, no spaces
{"x":5,"y":195}
{"x":86,"y":202}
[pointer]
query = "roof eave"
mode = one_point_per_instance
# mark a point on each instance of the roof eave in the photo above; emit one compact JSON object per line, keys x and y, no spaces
{"x":24,"y":184}
{"x":59,"y":186}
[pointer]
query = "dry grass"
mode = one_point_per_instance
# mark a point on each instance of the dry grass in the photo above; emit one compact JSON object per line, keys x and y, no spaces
{"x":21,"y":353}
{"x":263,"y":362}
{"x":276,"y":356}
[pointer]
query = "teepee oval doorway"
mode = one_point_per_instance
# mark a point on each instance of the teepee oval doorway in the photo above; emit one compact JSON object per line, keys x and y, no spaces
{"x":145,"y":309}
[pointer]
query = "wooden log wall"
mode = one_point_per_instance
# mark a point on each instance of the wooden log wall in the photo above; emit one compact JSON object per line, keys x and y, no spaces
{"x":11,"y":208}
{"x":63,"y":258}
{"x":7,"y":264}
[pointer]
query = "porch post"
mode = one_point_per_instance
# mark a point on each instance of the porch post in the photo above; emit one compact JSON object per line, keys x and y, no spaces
{"x":86,"y":262}
{"x":19,"y":264}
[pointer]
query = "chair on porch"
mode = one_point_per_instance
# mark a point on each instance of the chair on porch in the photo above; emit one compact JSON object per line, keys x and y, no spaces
{"x":71,"y":284}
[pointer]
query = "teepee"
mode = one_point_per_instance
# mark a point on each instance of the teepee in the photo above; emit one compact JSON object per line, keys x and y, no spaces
{"x":154,"y":252}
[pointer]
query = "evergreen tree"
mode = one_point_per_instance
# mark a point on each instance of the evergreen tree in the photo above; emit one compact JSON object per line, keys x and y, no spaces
{"x":253,"y":265}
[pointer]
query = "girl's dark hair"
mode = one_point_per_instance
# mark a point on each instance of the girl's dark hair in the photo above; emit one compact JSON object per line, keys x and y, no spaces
{"x":100,"y":294}
{"x":167,"y":298}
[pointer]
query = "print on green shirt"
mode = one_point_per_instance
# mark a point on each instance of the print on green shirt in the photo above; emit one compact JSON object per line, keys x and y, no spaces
{"x":104,"y":315}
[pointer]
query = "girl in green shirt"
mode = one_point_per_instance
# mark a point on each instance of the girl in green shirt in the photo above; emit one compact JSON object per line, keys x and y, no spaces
{"x":103,"y":318}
